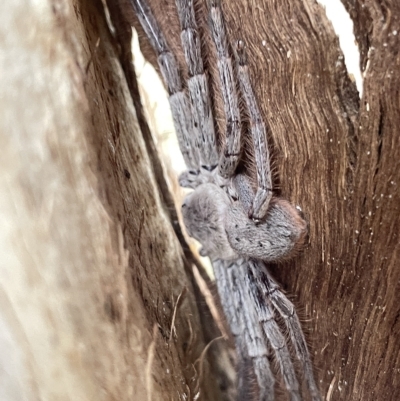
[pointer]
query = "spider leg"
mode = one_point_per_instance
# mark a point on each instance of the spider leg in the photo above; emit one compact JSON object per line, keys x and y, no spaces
{"x":180,"y":107}
{"x":198,"y":85}
{"x":230,"y":153}
{"x":258,"y":132}
{"x":285,"y":308}
{"x":272,"y":331}
{"x":245,"y":327}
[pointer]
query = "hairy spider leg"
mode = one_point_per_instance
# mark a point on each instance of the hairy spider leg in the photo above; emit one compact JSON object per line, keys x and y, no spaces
{"x":180,"y":106}
{"x":244,"y":324}
{"x":271,"y":290}
{"x":258,"y":133}
{"x":272,"y":331}
{"x":199,"y":93}
{"x":230,"y":153}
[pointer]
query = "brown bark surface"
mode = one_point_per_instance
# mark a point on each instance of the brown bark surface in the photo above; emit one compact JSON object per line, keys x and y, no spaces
{"x":337,"y":156}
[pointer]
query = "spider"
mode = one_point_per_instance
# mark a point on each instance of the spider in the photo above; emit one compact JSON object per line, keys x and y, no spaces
{"x":240,"y":228}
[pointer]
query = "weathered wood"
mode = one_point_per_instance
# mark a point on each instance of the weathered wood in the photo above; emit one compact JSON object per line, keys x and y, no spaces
{"x":91,"y":267}
{"x":337,"y":157}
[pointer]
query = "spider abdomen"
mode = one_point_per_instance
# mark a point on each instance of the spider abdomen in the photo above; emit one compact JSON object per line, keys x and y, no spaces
{"x":225,"y":231}
{"x":276,"y":237}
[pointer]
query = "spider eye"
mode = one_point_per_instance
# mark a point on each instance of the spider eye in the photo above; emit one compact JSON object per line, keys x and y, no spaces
{"x":208,"y":168}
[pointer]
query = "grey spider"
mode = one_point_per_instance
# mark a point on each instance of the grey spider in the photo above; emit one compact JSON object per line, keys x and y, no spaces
{"x":238,"y":227}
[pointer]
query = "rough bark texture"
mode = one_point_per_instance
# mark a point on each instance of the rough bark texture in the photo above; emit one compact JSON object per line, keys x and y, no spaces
{"x":91,"y":267}
{"x":338,"y":157}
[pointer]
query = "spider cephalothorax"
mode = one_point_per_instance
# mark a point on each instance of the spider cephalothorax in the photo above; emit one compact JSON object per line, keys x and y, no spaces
{"x":240,"y":226}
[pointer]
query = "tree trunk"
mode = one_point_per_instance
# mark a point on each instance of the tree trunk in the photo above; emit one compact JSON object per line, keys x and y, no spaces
{"x":338,"y":157}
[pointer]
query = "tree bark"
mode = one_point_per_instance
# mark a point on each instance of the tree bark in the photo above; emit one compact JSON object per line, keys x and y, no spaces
{"x":337,"y":156}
